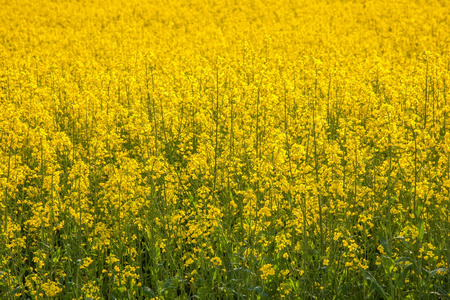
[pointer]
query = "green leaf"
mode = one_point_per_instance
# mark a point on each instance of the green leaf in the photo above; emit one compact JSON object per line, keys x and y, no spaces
{"x":374,"y":285}
{"x":260,"y":291}
{"x":193,"y":200}
{"x":168,"y":284}
{"x":388,"y":264}
{"x":148,"y":292}
{"x":403,"y":259}
{"x":421,"y":230}
{"x":434,"y":272}
{"x":241,"y":270}
{"x":71,"y":283}
{"x":419,"y":209}
{"x":56,"y":255}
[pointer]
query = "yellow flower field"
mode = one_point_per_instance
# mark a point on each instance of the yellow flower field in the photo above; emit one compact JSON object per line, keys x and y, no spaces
{"x":224,"y":149}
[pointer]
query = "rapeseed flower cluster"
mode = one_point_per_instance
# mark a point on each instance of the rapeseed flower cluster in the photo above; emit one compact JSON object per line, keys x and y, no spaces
{"x":224,"y":149}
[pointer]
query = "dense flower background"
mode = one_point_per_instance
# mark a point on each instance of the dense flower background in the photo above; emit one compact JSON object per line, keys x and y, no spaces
{"x":224,"y":149}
